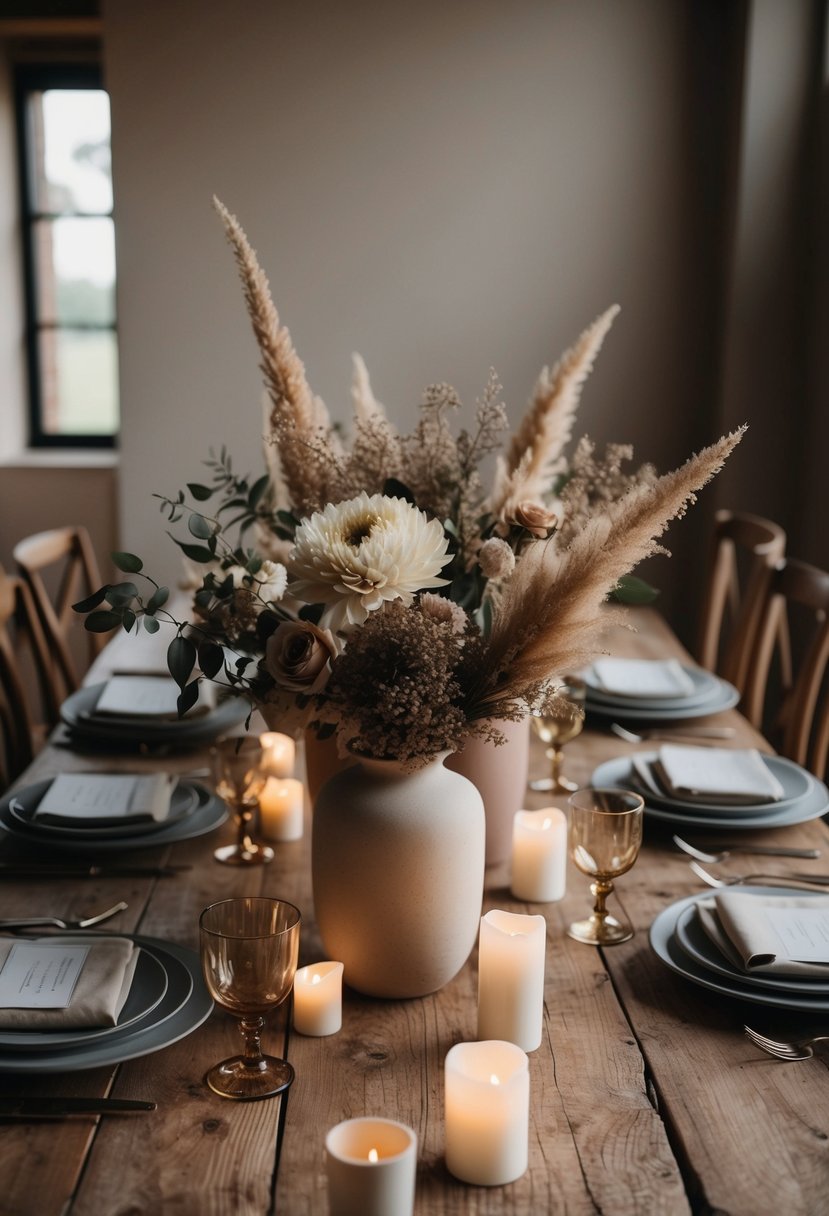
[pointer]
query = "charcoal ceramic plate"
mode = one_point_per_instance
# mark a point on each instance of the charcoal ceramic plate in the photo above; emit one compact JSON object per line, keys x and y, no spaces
{"x":210,"y":813}
{"x":183,"y":801}
{"x":78,"y":713}
{"x":186,"y":1005}
{"x":722,"y":696}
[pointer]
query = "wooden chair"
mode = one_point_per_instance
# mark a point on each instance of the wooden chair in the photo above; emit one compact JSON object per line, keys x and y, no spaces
{"x":20,"y":634}
{"x":744,"y":547}
{"x":62,"y":560}
{"x":802,"y":720}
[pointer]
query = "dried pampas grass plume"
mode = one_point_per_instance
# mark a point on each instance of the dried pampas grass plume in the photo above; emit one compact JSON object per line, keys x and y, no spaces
{"x":548,"y":620}
{"x":546,"y":428}
{"x":296,"y":414}
{"x":366,"y":406}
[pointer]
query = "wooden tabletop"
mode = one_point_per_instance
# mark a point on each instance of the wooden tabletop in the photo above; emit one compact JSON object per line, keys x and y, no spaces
{"x":646,"y":1095}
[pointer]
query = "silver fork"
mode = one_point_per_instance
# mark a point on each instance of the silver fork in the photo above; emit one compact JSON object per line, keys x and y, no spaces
{"x":36,"y":922}
{"x":700,"y":734}
{"x":761,"y":850}
{"x":797,"y":1049}
{"x":791,"y":879}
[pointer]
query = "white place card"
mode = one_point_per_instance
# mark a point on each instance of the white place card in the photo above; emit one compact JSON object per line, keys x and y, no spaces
{"x":737,"y":774}
{"x":803,"y":933}
{"x":106,"y":797}
{"x":642,"y":677}
{"x":37,"y":975}
{"x":149,"y":697}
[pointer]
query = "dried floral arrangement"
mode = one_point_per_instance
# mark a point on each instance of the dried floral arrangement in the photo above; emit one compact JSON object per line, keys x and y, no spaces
{"x":377,"y":587}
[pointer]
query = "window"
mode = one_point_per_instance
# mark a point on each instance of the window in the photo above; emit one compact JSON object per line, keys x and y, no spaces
{"x":69,"y":255}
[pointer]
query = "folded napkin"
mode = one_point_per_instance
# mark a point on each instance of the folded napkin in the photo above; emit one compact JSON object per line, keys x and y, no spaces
{"x":149,"y":697}
{"x":44,"y":970}
{"x":98,"y":800}
{"x":769,"y":934}
{"x":643,"y":678}
{"x":737,"y":777}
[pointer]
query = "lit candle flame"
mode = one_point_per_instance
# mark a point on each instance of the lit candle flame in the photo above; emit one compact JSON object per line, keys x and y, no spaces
{"x":493,"y":1080}
{"x":548,"y":823}
{"x":373,"y":1155}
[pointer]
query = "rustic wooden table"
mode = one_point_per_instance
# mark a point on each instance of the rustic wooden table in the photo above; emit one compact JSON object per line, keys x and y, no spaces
{"x":646,"y":1096}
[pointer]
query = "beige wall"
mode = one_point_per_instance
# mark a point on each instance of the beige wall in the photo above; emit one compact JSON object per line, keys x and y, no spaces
{"x":442,"y":187}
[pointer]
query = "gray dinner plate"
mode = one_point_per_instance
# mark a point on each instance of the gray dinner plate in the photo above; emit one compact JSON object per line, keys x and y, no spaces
{"x":706,"y":686}
{"x":78,"y":713}
{"x":210,"y":812}
{"x":149,"y":987}
{"x":723,"y":696}
{"x":186,"y":1005}
{"x":183,"y":801}
{"x":796,"y":783}
{"x":664,"y":942}
{"x":698,"y":945}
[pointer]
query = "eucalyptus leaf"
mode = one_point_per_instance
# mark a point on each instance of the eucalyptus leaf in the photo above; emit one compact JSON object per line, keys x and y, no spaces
{"x":187,"y":698}
{"x":158,"y":599}
{"x":128,"y":562}
{"x":128,"y":619}
{"x":181,"y":659}
{"x":200,"y":527}
{"x":120,"y":594}
{"x":257,"y":491}
{"x":211,"y":659}
{"x":633,"y":590}
{"x":199,"y":492}
{"x":92,"y":601}
{"x":151,"y":624}
{"x":102,"y":621}
{"x":196,"y":553}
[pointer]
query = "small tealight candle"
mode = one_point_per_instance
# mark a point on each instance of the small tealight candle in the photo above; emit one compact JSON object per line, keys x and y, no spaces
{"x":318,"y":999}
{"x":487,"y":1112}
{"x":371,"y":1165}
{"x":511,"y":957}
{"x":539,"y":855}
{"x":278,"y":754}
{"x":280,"y":809}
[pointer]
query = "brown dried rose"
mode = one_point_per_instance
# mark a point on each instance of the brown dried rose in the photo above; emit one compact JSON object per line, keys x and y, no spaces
{"x":496,"y":558}
{"x":299,"y":656}
{"x":533,"y":516}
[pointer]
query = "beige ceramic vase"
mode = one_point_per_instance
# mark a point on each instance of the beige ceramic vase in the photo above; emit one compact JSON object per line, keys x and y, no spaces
{"x":398,"y":874}
{"x":500,"y":773}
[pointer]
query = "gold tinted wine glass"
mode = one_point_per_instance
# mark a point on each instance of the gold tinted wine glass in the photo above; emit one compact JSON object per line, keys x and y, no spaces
{"x":249,"y":950}
{"x":605,"y":836}
{"x":560,"y":722}
{"x":239,"y":780}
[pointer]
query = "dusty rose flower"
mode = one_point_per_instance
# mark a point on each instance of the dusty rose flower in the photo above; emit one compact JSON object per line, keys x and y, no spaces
{"x":439,"y":608}
{"x":496,"y":558}
{"x":533,"y":516}
{"x":299,"y":656}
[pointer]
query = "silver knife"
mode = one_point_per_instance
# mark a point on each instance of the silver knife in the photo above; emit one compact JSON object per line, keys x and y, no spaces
{"x":68,"y":1108}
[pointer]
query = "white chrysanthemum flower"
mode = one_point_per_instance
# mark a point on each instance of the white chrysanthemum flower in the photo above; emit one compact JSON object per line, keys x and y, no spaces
{"x":272,"y":579}
{"x":356,"y":555}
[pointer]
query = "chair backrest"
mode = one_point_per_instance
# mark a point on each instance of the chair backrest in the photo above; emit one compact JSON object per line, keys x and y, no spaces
{"x":803,"y":715}
{"x":744,"y":547}
{"x":59,"y":568}
{"x":19,"y":631}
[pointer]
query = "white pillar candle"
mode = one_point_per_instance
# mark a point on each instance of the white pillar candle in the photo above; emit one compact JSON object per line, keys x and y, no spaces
{"x":318,"y":999}
{"x":487,"y":1112}
{"x":511,"y":957}
{"x":280,"y":809}
{"x":371,"y":1165}
{"x":278,"y":754}
{"x":539,"y":855}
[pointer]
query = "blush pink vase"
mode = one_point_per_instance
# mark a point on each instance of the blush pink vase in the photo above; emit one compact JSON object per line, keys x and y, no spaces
{"x":500,"y":773}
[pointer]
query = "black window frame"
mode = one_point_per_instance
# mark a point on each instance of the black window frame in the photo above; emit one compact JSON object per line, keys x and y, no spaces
{"x":28,"y":78}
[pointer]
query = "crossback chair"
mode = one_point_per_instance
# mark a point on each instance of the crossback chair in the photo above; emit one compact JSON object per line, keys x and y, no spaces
{"x":802,"y":719}
{"x":744,"y":547}
{"x":59,"y":568}
{"x":20,"y":631}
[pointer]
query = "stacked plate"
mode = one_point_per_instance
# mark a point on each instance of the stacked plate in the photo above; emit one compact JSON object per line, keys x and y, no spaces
{"x":703,"y":693}
{"x":79,"y":715}
{"x":167,"y":1001}
{"x":680,"y":941}
{"x":194,"y":811}
{"x":803,"y":798}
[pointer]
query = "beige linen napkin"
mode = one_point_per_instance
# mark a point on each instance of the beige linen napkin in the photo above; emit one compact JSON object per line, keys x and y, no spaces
{"x":642,"y":677}
{"x":149,"y":697}
{"x":106,"y":799}
{"x":735,"y":777}
{"x":769,"y":934}
{"x":100,"y":992}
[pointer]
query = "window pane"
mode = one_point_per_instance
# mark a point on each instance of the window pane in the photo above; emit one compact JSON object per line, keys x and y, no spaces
{"x":70,"y":136}
{"x":75,"y":269}
{"x":79,"y":386}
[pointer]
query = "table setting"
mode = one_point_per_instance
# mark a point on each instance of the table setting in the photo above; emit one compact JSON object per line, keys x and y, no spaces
{"x":425,"y":1028}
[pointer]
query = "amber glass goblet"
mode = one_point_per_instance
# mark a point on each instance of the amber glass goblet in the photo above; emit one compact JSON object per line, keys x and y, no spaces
{"x":239,"y":779}
{"x":249,"y":950}
{"x":562,"y":721}
{"x":605,"y":835}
